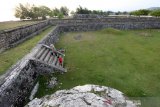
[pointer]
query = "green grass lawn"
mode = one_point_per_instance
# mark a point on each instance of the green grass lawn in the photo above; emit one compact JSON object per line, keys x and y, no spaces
{"x":13,"y":24}
{"x":11,"y":56}
{"x":125,"y":60}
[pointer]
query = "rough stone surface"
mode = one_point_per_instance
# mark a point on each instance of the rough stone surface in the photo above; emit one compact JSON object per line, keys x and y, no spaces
{"x":12,"y":37}
{"x":108,"y":20}
{"x":52,"y":83}
{"x":17,"y":83}
{"x":80,"y":16}
{"x":84,"y":96}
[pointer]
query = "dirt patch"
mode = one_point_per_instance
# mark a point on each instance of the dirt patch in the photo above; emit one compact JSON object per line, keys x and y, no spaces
{"x":78,"y":37}
{"x":144,"y":34}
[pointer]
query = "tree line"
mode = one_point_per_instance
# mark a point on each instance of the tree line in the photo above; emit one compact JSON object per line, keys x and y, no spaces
{"x":81,"y":10}
{"x":35,"y":12}
{"x":140,"y":12}
{"x":146,"y":12}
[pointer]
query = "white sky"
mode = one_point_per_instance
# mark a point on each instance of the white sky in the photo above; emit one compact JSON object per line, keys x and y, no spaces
{"x":7,"y":6}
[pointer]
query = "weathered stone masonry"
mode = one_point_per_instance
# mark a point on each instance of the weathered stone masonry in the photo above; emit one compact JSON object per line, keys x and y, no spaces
{"x":12,"y":37}
{"x":19,"y":80}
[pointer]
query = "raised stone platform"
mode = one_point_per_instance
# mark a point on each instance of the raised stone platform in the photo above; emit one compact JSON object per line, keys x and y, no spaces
{"x":84,"y":96}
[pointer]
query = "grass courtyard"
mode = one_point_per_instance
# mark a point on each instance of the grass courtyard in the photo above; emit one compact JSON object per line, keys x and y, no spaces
{"x":125,"y":60}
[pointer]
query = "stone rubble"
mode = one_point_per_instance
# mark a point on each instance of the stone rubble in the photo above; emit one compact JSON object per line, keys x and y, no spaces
{"x":84,"y":96}
{"x":52,"y":83}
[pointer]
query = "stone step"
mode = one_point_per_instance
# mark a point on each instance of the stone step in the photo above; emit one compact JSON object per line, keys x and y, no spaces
{"x":47,"y":57}
{"x":40,"y":52}
{"x":55,"y":60}
{"x":51,"y":59}
{"x":44,"y":54}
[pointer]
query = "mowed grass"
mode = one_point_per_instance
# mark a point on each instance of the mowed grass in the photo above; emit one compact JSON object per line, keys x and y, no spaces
{"x":13,"y":24}
{"x":125,"y":60}
{"x":11,"y":56}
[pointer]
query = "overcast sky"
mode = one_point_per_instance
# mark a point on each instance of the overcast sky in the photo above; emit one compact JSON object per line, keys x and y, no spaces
{"x":7,"y":6}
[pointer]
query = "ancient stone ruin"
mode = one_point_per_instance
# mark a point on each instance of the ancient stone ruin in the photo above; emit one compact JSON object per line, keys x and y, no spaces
{"x":84,"y":96}
{"x":17,"y":83}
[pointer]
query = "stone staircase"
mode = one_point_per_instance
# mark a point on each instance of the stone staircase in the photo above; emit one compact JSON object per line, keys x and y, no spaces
{"x":44,"y":55}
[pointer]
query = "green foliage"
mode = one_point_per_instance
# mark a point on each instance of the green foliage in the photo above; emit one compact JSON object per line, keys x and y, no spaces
{"x":34,"y":12}
{"x":60,"y":15}
{"x":56,"y":12}
{"x":11,"y":56}
{"x":64,"y":10}
{"x":140,"y":12}
{"x":44,"y":11}
{"x":81,"y":10}
{"x":22,"y":11}
{"x":155,"y":13}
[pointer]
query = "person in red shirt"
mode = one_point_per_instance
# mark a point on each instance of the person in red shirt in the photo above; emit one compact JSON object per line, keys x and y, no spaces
{"x":60,"y":59}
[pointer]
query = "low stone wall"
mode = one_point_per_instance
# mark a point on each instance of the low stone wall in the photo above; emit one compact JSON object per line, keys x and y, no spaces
{"x":14,"y":91}
{"x":109,"y":20}
{"x":80,"y":16}
{"x":12,"y":37}
{"x":97,"y":26}
{"x":52,"y":37}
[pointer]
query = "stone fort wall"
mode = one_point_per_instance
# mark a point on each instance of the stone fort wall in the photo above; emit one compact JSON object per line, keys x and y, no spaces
{"x":17,"y":83}
{"x":12,"y":37}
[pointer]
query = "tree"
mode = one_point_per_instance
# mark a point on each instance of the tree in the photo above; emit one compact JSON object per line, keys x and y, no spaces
{"x":81,"y":10}
{"x":64,"y":10}
{"x":35,"y":12}
{"x":140,"y":12}
{"x":118,"y":13}
{"x":22,"y":11}
{"x":44,"y":11}
{"x":109,"y":13}
{"x":144,"y":12}
{"x":60,"y":15}
{"x":155,"y":13}
{"x":56,"y":11}
{"x":125,"y":13}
